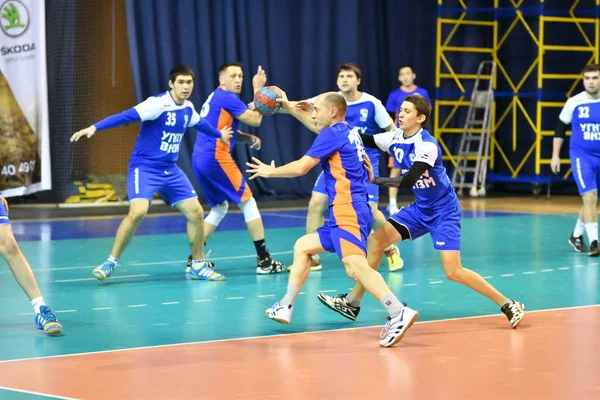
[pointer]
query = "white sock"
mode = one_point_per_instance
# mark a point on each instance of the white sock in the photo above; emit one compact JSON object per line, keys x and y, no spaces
{"x":592,"y":231}
{"x":37,"y":303}
{"x":112,"y":259}
{"x":579,"y":228}
{"x":393,"y":203}
{"x":197,"y":264}
{"x":315,"y":257}
{"x":290,"y":295}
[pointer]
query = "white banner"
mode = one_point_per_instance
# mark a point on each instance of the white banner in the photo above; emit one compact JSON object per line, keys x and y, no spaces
{"x":24,"y":133}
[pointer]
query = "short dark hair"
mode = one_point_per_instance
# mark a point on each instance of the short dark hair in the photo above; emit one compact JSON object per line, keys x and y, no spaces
{"x":591,"y":68}
{"x":181,"y":70}
{"x":406,"y":66}
{"x":421,"y":105}
{"x":224,"y":67}
{"x":349,"y":67}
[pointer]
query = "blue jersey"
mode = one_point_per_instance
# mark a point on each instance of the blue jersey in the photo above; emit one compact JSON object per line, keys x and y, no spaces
{"x":433,"y":191}
{"x":583,"y":114}
{"x":365,"y":115}
{"x":396,"y":98}
{"x":163,"y":124}
{"x":341,"y":152}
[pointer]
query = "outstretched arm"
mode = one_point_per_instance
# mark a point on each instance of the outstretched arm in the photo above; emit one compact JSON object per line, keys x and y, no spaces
{"x":291,"y":170}
{"x":407,"y":181}
{"x":127,"y":116}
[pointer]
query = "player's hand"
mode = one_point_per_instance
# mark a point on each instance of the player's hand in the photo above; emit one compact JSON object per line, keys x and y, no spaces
{"x":259,"y":80}
{"x":5,"y":203}
{"x":555,"y":165}
{"x":260,"y":169}
{"x":304,"y":105}
{"x":226,"y":134}
{"x":256,"y":143}
{"x":251,"y":106}
{"x":88,"y":132}
{"x":369,"y":167}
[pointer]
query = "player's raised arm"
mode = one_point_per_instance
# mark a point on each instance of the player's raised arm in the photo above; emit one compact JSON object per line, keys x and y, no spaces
{"x":301,"y":110}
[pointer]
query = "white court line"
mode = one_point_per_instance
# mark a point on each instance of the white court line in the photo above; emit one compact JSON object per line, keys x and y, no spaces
{"x":64,"y":311}
{"x":94,"y":279}
{"x":137,"y":305}
{"x":547,"y":270}
{"x":202,"y":301}
{"x":266,"y":295}
{"x":507,"y":275}
{"x":410,"y":284}
{"x":152,"y":263}
{"x":101,"y":308}
{"x":563,"y":268}
{"x":328,"y":291}
{"x":233,"y":298}
{"x":168,"y":303}
{"x":435,"y":282}
{"x":488,"y":277}
{"x":528,"y":272}
{"x":160,"y":346}
{"x":52,"y":396}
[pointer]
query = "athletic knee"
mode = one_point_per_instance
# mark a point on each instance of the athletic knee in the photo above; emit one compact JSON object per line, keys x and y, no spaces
{"x":454,"y":274}
{"x":8,"y":245}
{"x":137,"y":214}
{"x":250,"y":210}
{"x":353,"y":269}
{"x":217,"y":213}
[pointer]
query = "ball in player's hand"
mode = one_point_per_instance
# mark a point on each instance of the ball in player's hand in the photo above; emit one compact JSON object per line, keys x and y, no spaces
{"x":265,"y":100}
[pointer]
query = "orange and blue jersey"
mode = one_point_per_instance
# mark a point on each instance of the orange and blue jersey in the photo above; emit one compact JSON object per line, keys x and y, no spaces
{"x":218,"y":174}
{"x":342,"y":153}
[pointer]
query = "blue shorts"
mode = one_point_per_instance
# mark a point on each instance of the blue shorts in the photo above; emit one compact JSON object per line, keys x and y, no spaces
{"x":348,"y":229}
{"x":3,"y":215}
{"x":172,"y":184}
{"x":220,"y":179}
{"x":372,"y":190}
{"x":444,"y":226}
{"x":586,"y":171}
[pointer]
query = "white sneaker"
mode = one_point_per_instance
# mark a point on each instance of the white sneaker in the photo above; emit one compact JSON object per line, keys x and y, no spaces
{"x":396,"y":327}
{"x":279,"y":313}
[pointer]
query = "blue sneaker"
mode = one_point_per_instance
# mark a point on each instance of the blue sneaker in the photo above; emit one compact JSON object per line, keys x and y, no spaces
{"x":204,"y":273}
{"x":102,"y":272}
{"x":47,"y":322}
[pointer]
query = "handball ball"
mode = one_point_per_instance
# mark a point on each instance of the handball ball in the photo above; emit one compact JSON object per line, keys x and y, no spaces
{"x":265,"y":100}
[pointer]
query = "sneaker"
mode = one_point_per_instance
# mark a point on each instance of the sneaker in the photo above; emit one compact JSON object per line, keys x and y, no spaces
{"x":315,"y":264}
{"x":279,"y":313}
{"x":205,"y":273}
{"x":594,"y":249}
{"x":188,"y":267}
{"x":340,"y":305}
{"x":396,"y":327}
{"x":395,"y":262}
{"x":514,"y":311}
{"x":47,"y":322}
{"x":578,"y":244}
{"x":102,"y":272}
{"x":269,"y":266}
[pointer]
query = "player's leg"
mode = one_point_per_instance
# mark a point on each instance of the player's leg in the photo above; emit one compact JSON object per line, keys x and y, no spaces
{"x":317,"y":206}
{"x":392,"y":252}
{"x":138,"y":208}
{"x":590,"y":216}
{"x":199,"y":268}
{"x":308,"y":245}
{"x":10,"y":251}
{"x":576,"y":240}
{"x":455,"y":272}
{"x":402,"y":225}
{"x":585,"y":175}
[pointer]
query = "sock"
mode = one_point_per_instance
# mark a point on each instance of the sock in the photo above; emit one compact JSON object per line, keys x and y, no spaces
{"x":261,"y":249}
{"x":392,"y":305}
{"x":197,"y":264}
{"x":352,"y":300}
{"x":112,"y":259}
{"x":579,"y":228}
{"x":290,"y":295}
{"x":315,"y":257}
{"x":592,"y":231}
{"x":389,"y":247}
{"x":37,"y":303}
{"x":509,"y":302}
{"x":393,"y":203}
